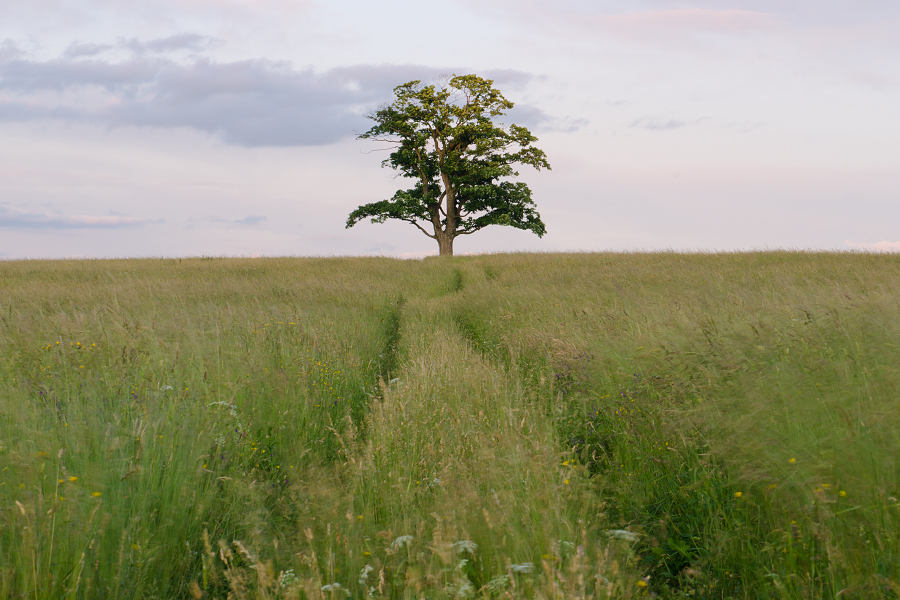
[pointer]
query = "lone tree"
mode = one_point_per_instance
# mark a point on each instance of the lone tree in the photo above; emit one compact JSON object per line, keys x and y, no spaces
{"x":446,"y":140}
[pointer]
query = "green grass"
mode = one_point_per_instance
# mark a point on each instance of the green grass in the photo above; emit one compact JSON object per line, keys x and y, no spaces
{"x":541,"y":426}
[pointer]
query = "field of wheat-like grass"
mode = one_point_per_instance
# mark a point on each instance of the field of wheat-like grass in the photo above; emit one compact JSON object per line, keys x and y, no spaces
{"x":499,"y":426}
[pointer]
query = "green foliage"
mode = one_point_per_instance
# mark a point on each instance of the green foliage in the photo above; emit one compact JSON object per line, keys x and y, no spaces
{"x":446,"y":140}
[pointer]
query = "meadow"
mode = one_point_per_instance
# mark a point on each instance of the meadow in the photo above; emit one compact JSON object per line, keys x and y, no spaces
{"x":500,"y":426}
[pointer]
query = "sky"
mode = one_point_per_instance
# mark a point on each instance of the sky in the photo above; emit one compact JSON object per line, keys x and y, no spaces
{"x":175,"y":128}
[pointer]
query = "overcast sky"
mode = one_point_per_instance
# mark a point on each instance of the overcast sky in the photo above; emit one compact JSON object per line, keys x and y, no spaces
{"x":226,"y":127}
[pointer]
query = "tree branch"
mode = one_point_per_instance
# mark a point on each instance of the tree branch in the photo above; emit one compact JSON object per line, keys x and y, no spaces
{"x":434,"y":237}
{"x":467,"y":232}
{"x":376,"y":150}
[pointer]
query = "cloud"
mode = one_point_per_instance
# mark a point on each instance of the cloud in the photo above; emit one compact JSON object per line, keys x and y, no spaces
{"x":16,"y":219}
{"x":210,"y":222}
{"x":882,"y":246}
{"x":9,"y":50}
{"x":255,"y":102}
{"x":510,"y":78}
{"x":251,"y":220}
{"x":164,"y":45}
{"x":79,"y":49}
{"x":248,"y":103}
{"x":247,"y":221}
{"x":172,"y":43}
{"x":534,"y":118}
{"x":657,"y":124}
{"x":528,"y":115}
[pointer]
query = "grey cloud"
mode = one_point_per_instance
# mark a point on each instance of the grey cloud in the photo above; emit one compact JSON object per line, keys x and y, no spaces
{"x":532,"y":117}
{"x":248,"y":221}
{"x":249,"y":103}
{"x":568,"y":124}
{"x":9,"y":50}
{"x":172,"y":43}
{"x":251,"y":220}
{"x":79,"y":49}
{"x":25,"y":76}
{"x":654,"y":124}
{"x":17,"y":219}
{"x":510,"y":78}
{"x":529,"y":116}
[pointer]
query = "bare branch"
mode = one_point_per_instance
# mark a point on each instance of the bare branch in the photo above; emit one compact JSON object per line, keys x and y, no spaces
{"x":467,"y":232}
{"x":434,"y":237}
{"x":375,"y":150}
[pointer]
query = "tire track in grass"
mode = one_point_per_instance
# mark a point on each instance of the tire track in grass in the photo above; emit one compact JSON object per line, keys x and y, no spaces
{"x":460,"y":463}
{"x":456,"y":283}
{"x":388,"y":360}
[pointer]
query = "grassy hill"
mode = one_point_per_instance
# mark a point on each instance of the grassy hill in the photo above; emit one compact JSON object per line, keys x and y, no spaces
{"x":549,"y":426}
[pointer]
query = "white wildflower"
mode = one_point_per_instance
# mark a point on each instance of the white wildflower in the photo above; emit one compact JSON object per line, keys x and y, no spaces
{"x":464,"y":589}
{"x":465,"y":546}
{"x":336,"y":587}
{"x":498,"y":584}
{"x":403,"y":540}
{"x":623,"y":534}
{"x":287,"y":579}
{"x":364,"y":574}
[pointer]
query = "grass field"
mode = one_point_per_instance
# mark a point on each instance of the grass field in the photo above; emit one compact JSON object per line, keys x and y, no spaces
{"x":541,"y":426}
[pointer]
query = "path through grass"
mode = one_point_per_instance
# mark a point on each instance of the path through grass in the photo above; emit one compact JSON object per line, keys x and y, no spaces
{"x":709,"y":426}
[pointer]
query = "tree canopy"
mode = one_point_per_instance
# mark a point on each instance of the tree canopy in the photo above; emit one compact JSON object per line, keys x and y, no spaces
{"x":446,"y":139}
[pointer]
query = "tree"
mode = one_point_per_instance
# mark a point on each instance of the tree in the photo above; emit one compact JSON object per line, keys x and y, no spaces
{"x":445,"y":138}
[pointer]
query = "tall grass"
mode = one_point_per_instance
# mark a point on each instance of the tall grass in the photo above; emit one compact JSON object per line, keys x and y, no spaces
{"x":741,"y":409}
{"x":597,"y":425}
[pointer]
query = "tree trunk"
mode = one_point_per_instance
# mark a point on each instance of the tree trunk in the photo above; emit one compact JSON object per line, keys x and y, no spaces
{"x":445,"y":244}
